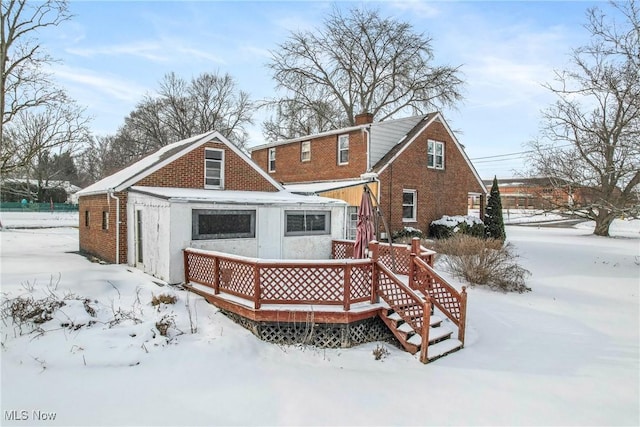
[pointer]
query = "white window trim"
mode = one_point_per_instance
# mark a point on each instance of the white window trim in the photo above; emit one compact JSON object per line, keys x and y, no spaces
{"x":222,"y":163}
{"x":269,"y":159}
{"x":435,"y":143}
{"x":341,"y":150}
{"x":302,"y":151}
{"x":105,"y":220}
{"x":415,"y":205}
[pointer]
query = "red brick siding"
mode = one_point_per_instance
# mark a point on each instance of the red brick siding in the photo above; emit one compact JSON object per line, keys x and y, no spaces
{"x":188,"y":172}
{"x":324,"y":159}
{"x":93,"y":239}
{"x":439,"y":192}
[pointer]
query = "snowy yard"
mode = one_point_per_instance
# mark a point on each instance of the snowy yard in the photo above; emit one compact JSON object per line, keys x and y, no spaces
{"x":566,"y":353}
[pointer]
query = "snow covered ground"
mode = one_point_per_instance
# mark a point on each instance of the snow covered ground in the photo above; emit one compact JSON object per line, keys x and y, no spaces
{"x":566,"y":353}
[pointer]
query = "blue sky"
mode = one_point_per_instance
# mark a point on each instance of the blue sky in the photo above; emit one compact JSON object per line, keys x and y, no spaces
{"x":112,"y":53}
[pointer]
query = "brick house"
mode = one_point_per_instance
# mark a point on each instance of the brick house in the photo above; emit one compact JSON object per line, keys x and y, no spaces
{"x":543,"y":192}
{"x":201,"y":192}
{"x":415,"y":166}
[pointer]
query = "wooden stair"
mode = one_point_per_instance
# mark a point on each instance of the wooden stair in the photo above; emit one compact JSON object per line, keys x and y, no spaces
{"x":440,"y":343}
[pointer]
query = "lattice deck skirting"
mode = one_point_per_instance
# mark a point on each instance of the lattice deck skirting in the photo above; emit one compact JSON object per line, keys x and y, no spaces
{"x":322,"y":335}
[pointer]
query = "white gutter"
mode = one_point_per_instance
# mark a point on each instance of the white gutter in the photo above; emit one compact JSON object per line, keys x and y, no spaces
{"x":110,"y":194}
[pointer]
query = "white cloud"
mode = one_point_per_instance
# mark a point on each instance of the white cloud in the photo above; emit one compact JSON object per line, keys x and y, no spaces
{"x":190,"y":53}
{"x":255,"y":51}
{"x":151,"y":50}
{"x":165,"y":51}
{"x":88,"y":80}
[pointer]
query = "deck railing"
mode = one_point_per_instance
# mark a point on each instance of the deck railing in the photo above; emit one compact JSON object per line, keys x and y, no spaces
{"x":444,"y":296}
{"x":407,"y":304}
{"x":335,"y":282}
{"x":331,"y":282}
{"x":397,"y":256}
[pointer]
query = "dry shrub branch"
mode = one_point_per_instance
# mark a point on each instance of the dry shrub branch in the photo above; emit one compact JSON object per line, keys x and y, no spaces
{"x":483,"y":262}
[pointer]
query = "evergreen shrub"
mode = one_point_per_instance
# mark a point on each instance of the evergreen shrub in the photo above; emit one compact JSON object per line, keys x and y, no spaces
{"x":449,"y":226}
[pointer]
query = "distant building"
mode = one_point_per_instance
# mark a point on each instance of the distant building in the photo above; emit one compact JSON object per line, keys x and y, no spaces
{"x":17,"y":189}
{"x":537,"y":193}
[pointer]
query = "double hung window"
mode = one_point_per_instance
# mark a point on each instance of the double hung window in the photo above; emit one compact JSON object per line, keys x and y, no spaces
{"x":343,"y":149}
{"x":272,"y":159}
{"x":213,"y":168}
{"x":435,"y":154}
{"x":305,"y":151}
{"x":409,"y":205}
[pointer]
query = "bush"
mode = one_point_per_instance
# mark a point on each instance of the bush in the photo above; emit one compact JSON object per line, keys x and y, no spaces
{"x":406,"y":234}
{"x":449,"y":226}
{"x":483,"y":262}
{"x":380,"y":352}
{"x":163,"y":299}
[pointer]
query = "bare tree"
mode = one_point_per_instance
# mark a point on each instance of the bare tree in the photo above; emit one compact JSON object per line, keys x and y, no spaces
{"x":182,"y":109}
{"x":360,"y":62}
{"x":99,"y":159}
{"x":590,"y":141}
{"x":34,"y":132}
{"x":24,"y":83}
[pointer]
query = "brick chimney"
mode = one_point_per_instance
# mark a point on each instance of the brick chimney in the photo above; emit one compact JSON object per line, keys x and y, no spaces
{"x":364,"y":119}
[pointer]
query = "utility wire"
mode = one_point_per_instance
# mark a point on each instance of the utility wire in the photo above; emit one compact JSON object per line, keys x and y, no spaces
{"x":519,"y":154}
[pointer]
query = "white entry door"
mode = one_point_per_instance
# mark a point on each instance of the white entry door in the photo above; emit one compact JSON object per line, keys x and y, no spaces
{"x":269,"y":232}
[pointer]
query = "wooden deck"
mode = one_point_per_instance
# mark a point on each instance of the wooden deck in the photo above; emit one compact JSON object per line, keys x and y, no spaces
{"x":340,"y":291}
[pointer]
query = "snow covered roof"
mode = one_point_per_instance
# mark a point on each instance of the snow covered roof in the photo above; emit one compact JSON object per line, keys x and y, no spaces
{"x":151,"y":163}
{"x":320,"y":187}
{"x":138,"y":169}
{"x":235,"y":197}
{"x":389,"y":134}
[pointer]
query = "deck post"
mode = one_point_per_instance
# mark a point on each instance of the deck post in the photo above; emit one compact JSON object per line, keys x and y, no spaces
{"x":256,"y":286}
{"x":186,"y":266}
{"x":463,"y":315}
{"x":415,"y":252}
{"x":216,"y":275}
{"x":374,"y":249}
{"x":347,"y":287}
{"x":424,"y":333}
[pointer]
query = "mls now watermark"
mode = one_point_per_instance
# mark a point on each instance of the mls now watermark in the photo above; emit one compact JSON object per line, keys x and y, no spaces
{"x":33,"y":415}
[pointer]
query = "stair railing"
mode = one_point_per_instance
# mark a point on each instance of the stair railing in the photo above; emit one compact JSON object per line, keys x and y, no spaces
{"x":444,"y":296}
{"x":415,"y":311}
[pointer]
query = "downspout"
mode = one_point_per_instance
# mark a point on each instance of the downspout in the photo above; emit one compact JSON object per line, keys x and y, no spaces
{"x":110,"y":192}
